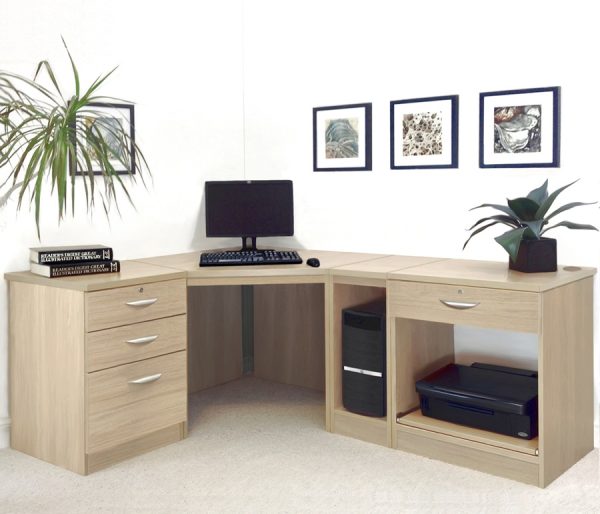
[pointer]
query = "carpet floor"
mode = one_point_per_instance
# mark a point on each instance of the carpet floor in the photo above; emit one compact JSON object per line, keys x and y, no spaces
{"x":255,"y":446}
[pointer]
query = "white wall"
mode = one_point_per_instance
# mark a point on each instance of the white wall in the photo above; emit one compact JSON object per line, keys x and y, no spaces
{"x":320,"y":53}
{"x":187,"y":70}
{"x":181,"y":63}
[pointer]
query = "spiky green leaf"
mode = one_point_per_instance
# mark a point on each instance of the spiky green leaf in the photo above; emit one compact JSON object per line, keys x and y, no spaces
{"x":479,"y":230}
{"x":535,"y":228}
{"x":511,"y":241}
{"x":566,"y":207}
{"x":524,"y":208}
{"x":539,"y":194}
{"x":499,"y":207}
{"x":571,"y":225}
{"x":545,"y":207}
{"x":507,"y":220}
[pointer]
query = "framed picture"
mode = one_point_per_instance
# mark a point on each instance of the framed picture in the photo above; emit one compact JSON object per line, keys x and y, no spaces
{"x":342,"y":138}
{"x":520,"y":128}
{"x":424,"y":133}
{"x":114,"y":123}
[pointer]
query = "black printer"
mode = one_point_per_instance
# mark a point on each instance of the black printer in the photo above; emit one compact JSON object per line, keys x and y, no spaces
{"x":495,"y":398}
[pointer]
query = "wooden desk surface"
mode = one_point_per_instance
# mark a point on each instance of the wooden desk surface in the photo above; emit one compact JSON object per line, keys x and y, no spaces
{"x":381,"y":266}
{"x":490,"y":274}
{"x":368,"y":265}
{"x":263,"y":274}
{"x":132,"y":273}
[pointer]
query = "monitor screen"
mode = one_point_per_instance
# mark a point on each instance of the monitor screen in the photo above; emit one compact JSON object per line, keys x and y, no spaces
{"x":249,"y":208}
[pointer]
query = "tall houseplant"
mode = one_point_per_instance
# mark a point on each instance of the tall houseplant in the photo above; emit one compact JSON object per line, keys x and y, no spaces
{"x":44,"y":138}
{"x":529,"y":219}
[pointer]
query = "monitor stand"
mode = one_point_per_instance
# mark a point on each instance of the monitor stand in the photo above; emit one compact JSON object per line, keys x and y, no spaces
{"x":245,"y":246}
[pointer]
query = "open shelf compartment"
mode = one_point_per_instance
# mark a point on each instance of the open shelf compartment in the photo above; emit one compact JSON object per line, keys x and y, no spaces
{"x":350,"y":292}
{"x":420,"y":347}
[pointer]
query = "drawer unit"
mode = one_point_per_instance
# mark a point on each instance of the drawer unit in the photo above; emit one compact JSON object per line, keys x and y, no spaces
{"x":126,"y":305}
{"x":132,"y":400}
{"x":130,"y":343}
{"x":478,"y":306}
{"x":136,"y":364}
{"x":98,"y":365}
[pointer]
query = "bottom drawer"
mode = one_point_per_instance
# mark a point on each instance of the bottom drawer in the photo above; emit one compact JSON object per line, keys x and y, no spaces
{"x":128,"y":401}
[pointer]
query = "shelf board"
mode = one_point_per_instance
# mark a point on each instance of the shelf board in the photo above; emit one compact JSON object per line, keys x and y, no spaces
{"x":417,"y":420}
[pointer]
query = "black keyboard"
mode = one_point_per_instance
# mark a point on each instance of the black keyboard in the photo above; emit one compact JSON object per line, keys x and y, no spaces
{"x":249,"y":257}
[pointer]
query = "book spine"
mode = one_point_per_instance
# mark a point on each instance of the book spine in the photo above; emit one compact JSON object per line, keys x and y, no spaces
{"x":99,"y":254}
{"x":86,"y":268}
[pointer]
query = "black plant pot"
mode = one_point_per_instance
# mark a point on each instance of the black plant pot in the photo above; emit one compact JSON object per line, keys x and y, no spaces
{"x":535,"y":255}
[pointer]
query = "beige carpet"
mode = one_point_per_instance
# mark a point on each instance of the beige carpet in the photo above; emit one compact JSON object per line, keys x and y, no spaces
{"x":254,"y":446}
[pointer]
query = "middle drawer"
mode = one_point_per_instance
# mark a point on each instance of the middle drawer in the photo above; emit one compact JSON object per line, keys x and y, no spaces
{"x":121,"y":345}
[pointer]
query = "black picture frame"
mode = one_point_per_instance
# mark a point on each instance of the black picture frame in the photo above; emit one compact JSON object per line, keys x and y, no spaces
{"x":342,"y":143}
{"x":429,"y":143}
{"x":520,"y":128}
{"x":125,"y":115}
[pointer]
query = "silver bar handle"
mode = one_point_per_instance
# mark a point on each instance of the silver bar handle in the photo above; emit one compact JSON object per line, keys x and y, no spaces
{"x":364,"y":371}
{"x":141,"y":303}
{"x":146,"y":380}
{"x":142,"y":340}
{"x":459,"y":305}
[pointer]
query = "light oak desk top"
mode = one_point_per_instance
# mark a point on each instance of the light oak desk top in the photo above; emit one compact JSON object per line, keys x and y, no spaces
{"x":491,"y":274}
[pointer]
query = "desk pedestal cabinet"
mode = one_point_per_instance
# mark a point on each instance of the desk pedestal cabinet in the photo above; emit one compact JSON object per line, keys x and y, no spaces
{"x":98,"y":364}
{"x":99,"y":376}
{"x":424,"y":306}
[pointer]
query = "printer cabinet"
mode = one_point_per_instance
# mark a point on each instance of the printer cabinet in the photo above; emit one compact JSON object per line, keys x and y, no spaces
{"x":422,"y":311}
{"x":99,"y":376}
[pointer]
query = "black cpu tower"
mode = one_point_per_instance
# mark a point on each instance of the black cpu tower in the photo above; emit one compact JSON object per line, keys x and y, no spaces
{"x":363,"y":359}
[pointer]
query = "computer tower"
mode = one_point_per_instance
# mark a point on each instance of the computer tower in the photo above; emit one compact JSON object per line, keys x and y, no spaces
{"x":364,"y":359}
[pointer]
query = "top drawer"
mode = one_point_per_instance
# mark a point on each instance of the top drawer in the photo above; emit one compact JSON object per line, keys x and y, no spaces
{"x":478,"y":306}
{"x":125,"y":305}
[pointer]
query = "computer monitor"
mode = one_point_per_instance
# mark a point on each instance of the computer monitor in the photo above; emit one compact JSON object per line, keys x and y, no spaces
{"x":249,"y":209}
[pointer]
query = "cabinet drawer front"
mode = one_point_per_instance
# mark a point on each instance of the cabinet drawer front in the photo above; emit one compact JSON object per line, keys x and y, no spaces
{"x":478,"y":306}
{"x":120,"y":409}
{"x":122,"y":345}
{"x":125,"y":305}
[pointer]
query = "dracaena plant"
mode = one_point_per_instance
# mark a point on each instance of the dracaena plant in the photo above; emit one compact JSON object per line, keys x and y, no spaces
{"x":528,"y":217}
{"x":46,"y":136}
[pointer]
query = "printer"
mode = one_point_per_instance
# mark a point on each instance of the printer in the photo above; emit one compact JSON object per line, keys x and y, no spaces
{"x":496,"y":398}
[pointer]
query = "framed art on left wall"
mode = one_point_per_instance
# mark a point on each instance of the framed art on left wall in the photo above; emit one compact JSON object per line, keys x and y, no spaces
{"x":114,"y":124}
{"x":342,"y":138}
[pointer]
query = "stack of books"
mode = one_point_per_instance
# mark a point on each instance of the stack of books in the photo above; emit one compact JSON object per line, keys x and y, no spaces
{"x":70,"y":261}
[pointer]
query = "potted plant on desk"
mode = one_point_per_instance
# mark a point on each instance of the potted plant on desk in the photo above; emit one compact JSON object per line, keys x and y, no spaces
{"x":529,"y":219}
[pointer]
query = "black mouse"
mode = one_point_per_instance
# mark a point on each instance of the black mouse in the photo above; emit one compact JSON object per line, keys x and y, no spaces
{"x":314,"y":262}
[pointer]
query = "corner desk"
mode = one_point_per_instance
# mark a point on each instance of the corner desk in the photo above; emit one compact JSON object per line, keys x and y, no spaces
{"x":101,"y":365}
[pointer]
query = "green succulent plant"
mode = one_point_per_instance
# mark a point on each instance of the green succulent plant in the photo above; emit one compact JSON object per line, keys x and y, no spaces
{"x":44,"y":138}
{"x":528,"y":218}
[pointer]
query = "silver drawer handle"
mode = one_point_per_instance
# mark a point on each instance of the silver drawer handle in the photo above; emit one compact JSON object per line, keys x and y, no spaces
{"x":459,"y":305}
{"x":142,"y":340}
{"x":141,"y":303}
{"x":364,"y":371}
{"x":146,"y":380}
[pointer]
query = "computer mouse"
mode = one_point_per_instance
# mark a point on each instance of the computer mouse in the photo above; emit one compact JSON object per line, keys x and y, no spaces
{"x":314,"y":262}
